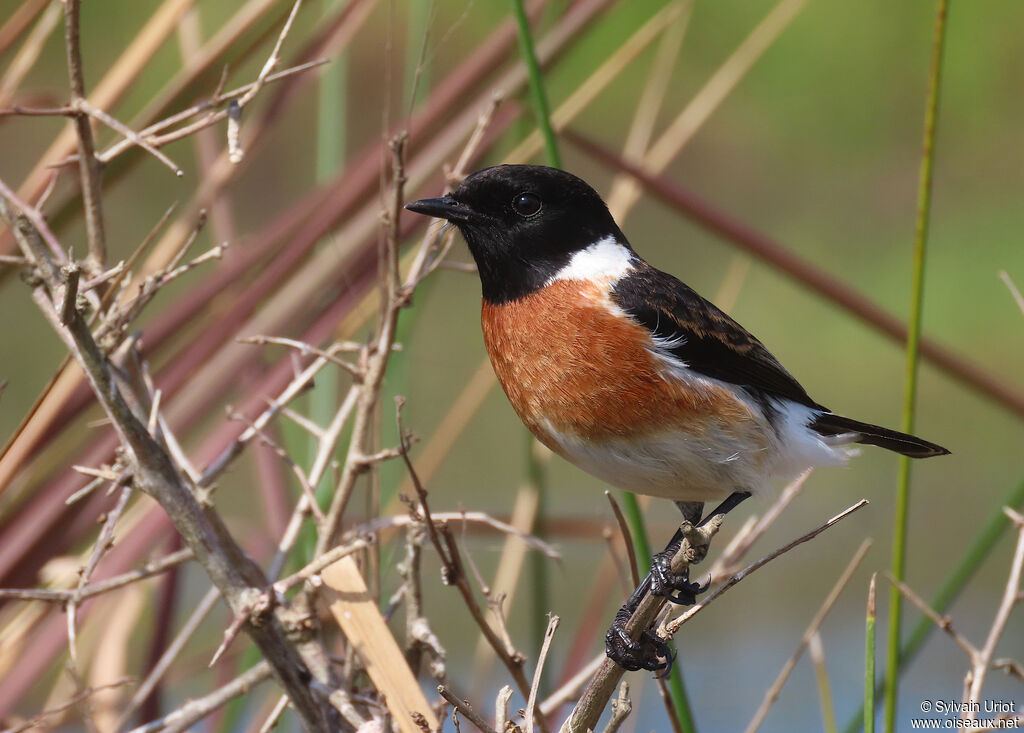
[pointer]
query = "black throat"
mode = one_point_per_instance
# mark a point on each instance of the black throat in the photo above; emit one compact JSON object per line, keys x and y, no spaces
{"x":504,"y":276}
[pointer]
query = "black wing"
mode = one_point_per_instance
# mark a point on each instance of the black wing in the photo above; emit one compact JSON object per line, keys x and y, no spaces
{"x":702,"y":336}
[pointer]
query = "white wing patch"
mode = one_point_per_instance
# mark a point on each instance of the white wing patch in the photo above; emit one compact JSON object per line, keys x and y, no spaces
{"x":605,"y":259}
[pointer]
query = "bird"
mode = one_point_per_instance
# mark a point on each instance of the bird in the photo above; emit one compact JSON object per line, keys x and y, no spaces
{"x":626,"y":372}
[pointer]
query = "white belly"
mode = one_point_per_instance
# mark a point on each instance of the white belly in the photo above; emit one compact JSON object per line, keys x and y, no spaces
{"x":711,"y":464}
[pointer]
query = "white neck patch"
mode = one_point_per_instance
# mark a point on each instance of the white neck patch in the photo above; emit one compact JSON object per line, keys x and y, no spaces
{"x":605,"y":259}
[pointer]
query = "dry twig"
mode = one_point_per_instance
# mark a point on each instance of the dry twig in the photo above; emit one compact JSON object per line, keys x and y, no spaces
{"x":830,"y":600}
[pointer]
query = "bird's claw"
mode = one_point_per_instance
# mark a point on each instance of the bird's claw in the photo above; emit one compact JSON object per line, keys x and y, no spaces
{"x":676,"y":587}
{"x":649,"y":652}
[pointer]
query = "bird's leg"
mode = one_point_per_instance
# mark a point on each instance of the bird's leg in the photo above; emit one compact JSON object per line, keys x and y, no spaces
{"x":650,"y":651}
{"x":663,"y":580}
{"x":677,"y":586}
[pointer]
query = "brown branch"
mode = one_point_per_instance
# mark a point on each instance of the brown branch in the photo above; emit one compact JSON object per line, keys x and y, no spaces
{"x":464,"y":707}
{"x":1011,"y":596}
{"x":303,"y":348}
{"x":37,"y":221}
{"x":377,"y":361}
{"x":673,"y":626}
{"x":830,"y":600}
{"x":103,"y":544}
{"x":70,"y":297}
{"x":945,"y":623}
{"x":83,"y":105}
{"x":622,"y":706}
{"x":283,"y":585}
{"x":18,"y":111}
{"x":454,"y":573}
{"x":115,"y":324}
{"x":195,"y":710}
{"x":627,"y":538}
{"x":103,"y":586}
{"x":89,"y":167}
{"x":532,"y":713}
{"x":149,"y":134}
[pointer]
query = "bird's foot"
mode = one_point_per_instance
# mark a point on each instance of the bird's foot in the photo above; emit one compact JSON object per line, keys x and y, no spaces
{"x":649,"y":652}
{"x":676,"y":587}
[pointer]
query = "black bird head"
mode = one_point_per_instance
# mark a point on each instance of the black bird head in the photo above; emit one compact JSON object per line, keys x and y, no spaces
{"x":522,"y":224}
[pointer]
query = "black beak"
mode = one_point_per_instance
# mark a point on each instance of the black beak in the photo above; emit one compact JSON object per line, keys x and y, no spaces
{"x":443,"y":208}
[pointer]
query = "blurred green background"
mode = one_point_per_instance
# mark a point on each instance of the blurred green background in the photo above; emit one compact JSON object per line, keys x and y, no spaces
{"x":819,"y":147}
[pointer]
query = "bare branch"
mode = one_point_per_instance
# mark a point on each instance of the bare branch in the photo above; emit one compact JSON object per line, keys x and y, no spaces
{"x":945,"y":623}
{"x":103,"y":586}
{"x":594,"y":699}
{"x":319,"y":564}
{"x":89,"y":166}
{"x":464,"y":707}
{"x":830,"y":600}
{"x":627,"y":538}
{"x":672,"y":626}
{"x":171,"y":653}
{"x":1011,"y":596}
{"x":103,"y":544}
{"x":39,"y":721}
{"x":39,"y":225}
{"x":305,"y":349}
{"x":622,"y":706}
{"x":83,"y":105}
{"x":195,"y":710}
{"x":531,"y":704}
{"x":203,"y":531}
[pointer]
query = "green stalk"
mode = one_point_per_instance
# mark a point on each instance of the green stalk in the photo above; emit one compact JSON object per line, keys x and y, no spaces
{"x":538,"y":94}
{"x":913,"y":338}
{"x":981,"y":547}
{"x":869,"y":662}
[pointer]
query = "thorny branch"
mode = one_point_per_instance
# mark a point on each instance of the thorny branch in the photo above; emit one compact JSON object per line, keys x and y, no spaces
{"x":154,"y":470}
{"x":153,"y":459}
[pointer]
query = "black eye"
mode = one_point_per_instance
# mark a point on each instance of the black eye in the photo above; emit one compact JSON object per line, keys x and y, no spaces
{"x":526,"y":204}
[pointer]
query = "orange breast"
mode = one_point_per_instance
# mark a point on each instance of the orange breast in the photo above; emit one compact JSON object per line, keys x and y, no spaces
{"x":568,"y":363}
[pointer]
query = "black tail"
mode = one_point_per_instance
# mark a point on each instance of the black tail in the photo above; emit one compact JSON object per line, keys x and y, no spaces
{"x":909,"y":445}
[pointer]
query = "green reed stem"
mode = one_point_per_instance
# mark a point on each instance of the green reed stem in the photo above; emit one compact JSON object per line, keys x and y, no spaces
{"x":538,"y":93}
{"x":899,"y":552}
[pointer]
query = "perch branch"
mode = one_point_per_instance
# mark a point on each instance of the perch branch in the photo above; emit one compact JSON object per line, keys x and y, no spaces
{"x":601,"y":687}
